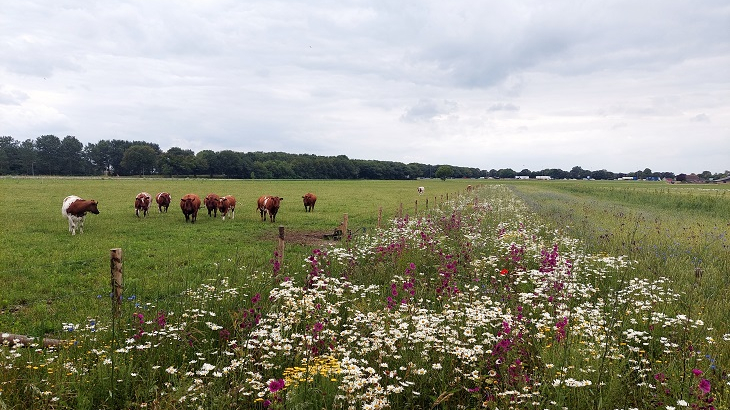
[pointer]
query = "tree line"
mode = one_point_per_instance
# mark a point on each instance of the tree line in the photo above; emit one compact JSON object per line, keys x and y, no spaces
{"x":50,"y":155}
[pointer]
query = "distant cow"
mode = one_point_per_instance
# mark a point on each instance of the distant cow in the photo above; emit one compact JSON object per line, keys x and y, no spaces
{"x":227,"y":205}
{"x":269,"y":204}
{"x":469,"y":188}
{"x":309,"y":200}
{"x":75,"y":209}
{"x":142,"y":203}
{"x":190,"y":204}
{"x":211,"y":202}
{"x":163,"y":201}
{"x":421,"y":190}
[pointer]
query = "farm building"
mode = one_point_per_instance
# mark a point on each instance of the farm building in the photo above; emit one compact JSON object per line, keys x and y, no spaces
{"x":522,"y":177}
{"x":543,"y":177}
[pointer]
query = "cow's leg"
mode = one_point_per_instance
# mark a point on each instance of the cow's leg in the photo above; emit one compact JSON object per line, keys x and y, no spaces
{"x":81,"y":224}
{"x":71,"y":225}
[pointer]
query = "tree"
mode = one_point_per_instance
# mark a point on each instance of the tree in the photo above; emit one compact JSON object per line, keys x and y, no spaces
{"x":506,"y":173}
{"x":231,"y":165}
{"x":177,"y":161}
{"x":139,"y":159}
{"x":210,"y":159}
{"x":48,"y":148}
{"x":579,"y":173}
{"x":10,"y":159}
{"x":69,"y":156}
{"x":443,"y":172}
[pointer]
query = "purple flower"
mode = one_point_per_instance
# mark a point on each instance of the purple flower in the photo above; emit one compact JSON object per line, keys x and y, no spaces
{"x":697,"y":372}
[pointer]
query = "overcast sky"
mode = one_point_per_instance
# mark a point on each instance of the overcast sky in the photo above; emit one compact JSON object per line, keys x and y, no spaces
{"x":616,"y":85}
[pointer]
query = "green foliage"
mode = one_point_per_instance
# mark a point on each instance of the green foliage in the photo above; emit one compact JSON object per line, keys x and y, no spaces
{"x":443,"y":172}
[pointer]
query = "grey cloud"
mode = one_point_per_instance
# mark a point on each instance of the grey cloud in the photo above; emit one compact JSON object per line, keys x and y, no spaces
{"x":12,"y":96}
{"x":700,"y":118}
{"x":428,"y":109}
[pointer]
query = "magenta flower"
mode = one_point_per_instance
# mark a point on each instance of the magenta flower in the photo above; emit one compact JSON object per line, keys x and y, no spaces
{"x":696,"y":372}
{"x":276,"y":385}
{"x":704,"y":386}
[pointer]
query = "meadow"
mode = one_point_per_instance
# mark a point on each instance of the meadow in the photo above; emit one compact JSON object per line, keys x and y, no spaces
{"x":521,"y":294}
{"x":49,"y":276}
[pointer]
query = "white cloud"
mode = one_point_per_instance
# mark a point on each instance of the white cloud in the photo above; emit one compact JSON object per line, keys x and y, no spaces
{"x":534,"y":85}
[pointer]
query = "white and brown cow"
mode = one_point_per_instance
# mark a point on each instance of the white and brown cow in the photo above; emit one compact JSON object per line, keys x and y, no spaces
{"x":309,"y":200}
{"x":211,"y":202}
{"x":227,"y":205}
{"x":75,"y":209}
{"x":142,"y":203}
{"x":269,"y":204}
{"x":421,"y":190}
{"x":163,"y":201}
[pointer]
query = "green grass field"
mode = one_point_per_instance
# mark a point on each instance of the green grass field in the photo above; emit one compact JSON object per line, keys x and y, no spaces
{"x":49,"y":276}
{"x":521,"y":294}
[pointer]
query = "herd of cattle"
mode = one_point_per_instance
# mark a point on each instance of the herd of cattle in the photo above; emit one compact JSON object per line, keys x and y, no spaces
{"x":75,"y":208}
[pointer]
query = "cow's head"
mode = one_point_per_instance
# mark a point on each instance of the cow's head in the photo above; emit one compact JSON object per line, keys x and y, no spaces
{"x":93,"y":207}
{"x":223,"y":203}
{"x":186,"y":203}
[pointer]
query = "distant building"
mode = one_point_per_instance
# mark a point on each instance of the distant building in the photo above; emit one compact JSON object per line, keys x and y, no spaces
{"x":724,"y":179}
{"x":543,"y":177}
{"x":522,"y":177}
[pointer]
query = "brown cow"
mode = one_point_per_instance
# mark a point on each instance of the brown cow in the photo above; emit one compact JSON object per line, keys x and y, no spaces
{"x":469,"y":188}
{"x":75,"y":209}
{"x":190,"y":204}
{"x":163,"y":201}
{"x":142,"y":203}
{"x":309,"y":200}
{"x":211,"y":202}
{"x":269,"y":204}
{"x":227,"y":204}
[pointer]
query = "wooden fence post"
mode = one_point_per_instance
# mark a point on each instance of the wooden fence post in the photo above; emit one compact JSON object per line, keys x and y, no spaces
{"x":400,"y":210}
{"x":345,"y":222}
{"x":280,"y":249}
{"x":426,"y":203}
{"x":416,"y":211}
{"x":380,"y":216}
{"x":117,"y":281}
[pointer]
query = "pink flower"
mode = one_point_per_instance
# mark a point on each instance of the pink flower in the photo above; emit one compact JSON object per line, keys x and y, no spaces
{"x":697,"y":372}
